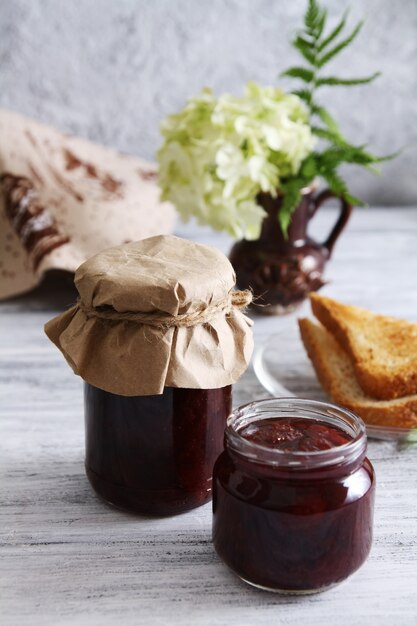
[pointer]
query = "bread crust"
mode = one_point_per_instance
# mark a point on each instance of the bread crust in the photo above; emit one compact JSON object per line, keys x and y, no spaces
{"x":383,"y":349}
{"x":336,"y":374}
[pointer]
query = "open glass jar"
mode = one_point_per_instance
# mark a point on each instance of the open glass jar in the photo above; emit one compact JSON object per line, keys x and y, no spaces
{"x":293,"y":495}
{"x":159,"y":337}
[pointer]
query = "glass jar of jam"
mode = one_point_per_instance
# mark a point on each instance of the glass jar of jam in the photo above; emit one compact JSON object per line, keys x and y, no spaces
{"x":154,"y":454}
{"x":293,"y":495}
{"x":159,"y":336}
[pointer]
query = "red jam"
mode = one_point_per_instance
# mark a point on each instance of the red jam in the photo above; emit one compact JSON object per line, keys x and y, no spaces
{"x":285,"y":520}
{"x":155,"y":454}
{"x":294,"y":434}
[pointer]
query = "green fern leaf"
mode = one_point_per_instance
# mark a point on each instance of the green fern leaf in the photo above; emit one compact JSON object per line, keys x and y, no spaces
{"x":343,"y":152}
{"x":312,"y":15}
{"x":299,"y":72}
{"x":343,"y":44}
{"x":308,"y":169}
{"x":334,"y":81}
{"x":304,"y":94}
{"x":321,"y":23}
{"x":354,"y":200}
{"x":335,"y":182}
{"x":306,"y":49}
{"x":332,"y":157}
{"x":387,"y":157}
{"x":291,"y":199}
{"x":358,"y":156}
{"x":327,"y":119}
{"x":334,"y":33}
{"x":306,"y":40}
{"x":315,"y":20}
{"x":330,"y":136}
{"x":318,"y":49}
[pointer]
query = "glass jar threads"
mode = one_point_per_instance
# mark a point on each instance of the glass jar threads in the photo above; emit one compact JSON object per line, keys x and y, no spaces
{"x":159,"y":337}
{"x":293,"y":495}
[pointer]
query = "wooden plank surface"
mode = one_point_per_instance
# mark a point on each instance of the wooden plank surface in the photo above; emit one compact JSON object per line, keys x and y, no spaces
{"x":67,"y":558}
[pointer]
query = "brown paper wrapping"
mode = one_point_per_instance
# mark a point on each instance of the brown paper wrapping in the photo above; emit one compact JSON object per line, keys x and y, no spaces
{"x":163,"y":276}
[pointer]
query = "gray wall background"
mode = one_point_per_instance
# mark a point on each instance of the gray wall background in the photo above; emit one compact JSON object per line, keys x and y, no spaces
{"x":109,"y":70}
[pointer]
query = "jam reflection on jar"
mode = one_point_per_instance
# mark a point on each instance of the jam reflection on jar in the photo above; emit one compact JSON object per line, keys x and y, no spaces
{"x":293,"y":495}
{"x":154,"y":454}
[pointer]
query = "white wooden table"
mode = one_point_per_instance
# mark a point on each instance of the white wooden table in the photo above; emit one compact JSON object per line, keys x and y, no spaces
{"x":67,"y":558}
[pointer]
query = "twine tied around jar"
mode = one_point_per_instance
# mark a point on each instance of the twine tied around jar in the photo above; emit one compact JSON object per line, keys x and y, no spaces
{"x":195,"y":336}
{"x":235,"y":299}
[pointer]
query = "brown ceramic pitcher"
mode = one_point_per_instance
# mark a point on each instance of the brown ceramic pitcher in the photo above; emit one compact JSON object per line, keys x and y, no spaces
{"x":280,"y":270}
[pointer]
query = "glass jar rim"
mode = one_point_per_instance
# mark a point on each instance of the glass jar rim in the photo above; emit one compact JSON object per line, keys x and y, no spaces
{"x":326,"y":412}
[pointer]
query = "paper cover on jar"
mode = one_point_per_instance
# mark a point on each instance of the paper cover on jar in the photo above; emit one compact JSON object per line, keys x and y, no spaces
{"x":154,"y":313}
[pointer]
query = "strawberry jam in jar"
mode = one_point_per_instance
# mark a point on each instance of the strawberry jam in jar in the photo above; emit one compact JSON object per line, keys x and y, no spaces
{"x":293,"y":495}
{"x":159,"y":336}
{"x":154,"y":454}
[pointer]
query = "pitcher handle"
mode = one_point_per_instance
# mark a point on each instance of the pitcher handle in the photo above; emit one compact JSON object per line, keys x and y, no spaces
{"x":345,"y":212}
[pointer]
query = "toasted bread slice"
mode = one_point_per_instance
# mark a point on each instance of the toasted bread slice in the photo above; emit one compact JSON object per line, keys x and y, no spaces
{"x":337,"y":376}
{"x":383,"y":349}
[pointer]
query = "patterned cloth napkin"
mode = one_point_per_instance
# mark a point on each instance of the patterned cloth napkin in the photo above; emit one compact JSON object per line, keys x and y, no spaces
{"x":63,"y":199}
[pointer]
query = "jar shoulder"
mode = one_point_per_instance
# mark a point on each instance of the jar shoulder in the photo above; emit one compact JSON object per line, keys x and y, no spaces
{"x":258,"y":486}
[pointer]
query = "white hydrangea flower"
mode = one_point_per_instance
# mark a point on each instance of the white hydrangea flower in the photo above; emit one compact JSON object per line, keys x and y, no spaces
{"x":219,"y":154}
